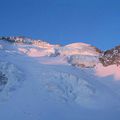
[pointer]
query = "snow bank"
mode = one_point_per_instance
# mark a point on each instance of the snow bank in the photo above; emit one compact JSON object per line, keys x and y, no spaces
{"x":112,"y":70}
{"x":78,"y":49}
{"x":73,"y":89}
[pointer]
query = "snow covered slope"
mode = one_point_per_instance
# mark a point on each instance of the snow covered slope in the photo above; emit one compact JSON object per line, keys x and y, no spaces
{"x":79,"y":49}
{"x":40,"y":83}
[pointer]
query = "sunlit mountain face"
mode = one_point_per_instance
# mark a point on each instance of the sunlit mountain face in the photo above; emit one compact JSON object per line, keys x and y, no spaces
{"x":77,"y":79}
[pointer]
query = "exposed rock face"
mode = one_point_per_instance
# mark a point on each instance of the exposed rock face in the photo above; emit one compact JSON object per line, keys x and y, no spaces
{"x":84,"y":61}
{"x":110,"y":57}
{"x":29,"y":41}
{"x":3,"y":80}
{"x":19,"y":39}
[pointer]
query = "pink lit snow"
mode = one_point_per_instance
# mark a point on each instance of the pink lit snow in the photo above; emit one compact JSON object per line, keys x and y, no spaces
{"x":108,"y":71}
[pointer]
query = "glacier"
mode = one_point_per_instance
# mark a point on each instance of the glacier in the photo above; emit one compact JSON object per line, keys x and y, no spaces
{"x":53,"y":82}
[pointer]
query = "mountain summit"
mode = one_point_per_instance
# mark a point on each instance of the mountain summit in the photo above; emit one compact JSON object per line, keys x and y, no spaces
{"x":77,"y":54}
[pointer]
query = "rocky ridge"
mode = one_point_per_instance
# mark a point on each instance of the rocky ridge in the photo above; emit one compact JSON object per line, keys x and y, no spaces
{"x":77,"y":54}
